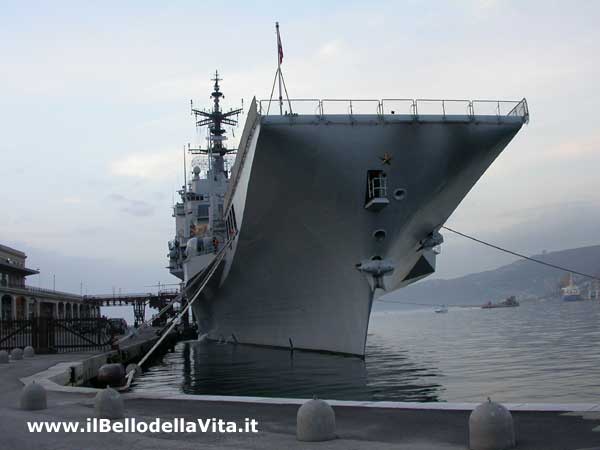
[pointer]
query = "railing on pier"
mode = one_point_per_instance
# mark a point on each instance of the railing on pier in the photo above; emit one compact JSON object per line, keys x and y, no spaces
{"x":50,"y":335}
{"x":403,"y":106}
{"x":131,"y":296}
{"x":43,"y":291}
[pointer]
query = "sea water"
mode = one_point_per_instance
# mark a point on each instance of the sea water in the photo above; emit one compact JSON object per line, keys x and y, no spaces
{"x":542,"y":351}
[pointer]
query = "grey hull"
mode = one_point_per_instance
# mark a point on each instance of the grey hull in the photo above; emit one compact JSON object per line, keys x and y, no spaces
{"x":290,"y":276}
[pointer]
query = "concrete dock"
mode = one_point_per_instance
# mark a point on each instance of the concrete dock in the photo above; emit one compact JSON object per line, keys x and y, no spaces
{"x":360,"y":425}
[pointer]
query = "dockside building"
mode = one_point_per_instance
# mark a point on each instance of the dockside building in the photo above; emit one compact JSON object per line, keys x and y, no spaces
{"x":18,"y":300}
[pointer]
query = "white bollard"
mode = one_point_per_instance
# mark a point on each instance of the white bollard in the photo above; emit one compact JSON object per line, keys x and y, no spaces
{"x":33,"y":397}
{"x":28,"y":352}
{"x":491,"y":427}
{"x":3,"y":357}
{"x":315,"y":421}
{"x":108,"y":404}
{"x":16,"y":354}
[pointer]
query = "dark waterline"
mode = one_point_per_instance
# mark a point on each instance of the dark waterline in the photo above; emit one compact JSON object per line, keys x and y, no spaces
{"x":540,"y":351}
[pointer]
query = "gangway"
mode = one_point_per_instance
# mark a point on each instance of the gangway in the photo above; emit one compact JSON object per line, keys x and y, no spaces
{"x":139,"y":301}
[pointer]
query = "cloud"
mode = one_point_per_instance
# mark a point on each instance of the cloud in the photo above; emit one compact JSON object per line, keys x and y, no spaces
{"x":330,"y":49}
{"x":160,"y":165}
{"x":575,"y":148}
{"x":138,"y":208}
{"x":72,"y":200}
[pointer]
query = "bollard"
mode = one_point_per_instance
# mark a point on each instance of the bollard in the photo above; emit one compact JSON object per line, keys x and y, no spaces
{"x":491,"y":427}
{"x":3,"y":357}
{"x":33,"y":397}
{"x":108,"y":404}
{"x":16,"y":354}
{"x":28,"y":352}
{"x":315,"y":421}
{"x":111,"y":374}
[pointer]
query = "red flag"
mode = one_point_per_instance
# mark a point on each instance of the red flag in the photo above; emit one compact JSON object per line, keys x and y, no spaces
{"x":279,"y":46}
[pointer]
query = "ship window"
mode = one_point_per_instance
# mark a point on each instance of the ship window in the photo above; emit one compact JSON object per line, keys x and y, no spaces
{"x":400,"y":194}
{"x":235,"y":227}
{"x":203,"y":211}
{"x":376,"y":185}
{"x":379,"y":235}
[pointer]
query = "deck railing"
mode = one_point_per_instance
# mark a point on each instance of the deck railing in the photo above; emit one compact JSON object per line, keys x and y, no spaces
{"x":400,"y":106}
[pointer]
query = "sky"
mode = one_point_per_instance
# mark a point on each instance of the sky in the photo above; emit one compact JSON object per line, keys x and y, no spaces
{"x":94,"y":111}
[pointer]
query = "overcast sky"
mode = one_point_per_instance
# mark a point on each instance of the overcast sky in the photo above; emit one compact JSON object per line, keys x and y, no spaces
{"x":94,"y":110}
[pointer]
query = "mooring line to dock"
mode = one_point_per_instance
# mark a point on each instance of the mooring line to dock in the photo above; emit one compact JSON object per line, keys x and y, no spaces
{"x":152,"y":319}
{"x":520,"y":255}
{"x":211,"y":271}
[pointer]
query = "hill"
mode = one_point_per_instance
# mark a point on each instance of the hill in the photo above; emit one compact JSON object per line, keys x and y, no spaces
{"x":522,"y":278}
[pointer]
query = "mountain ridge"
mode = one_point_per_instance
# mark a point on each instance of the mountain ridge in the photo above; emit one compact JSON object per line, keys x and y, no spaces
{"x":522,"y":278}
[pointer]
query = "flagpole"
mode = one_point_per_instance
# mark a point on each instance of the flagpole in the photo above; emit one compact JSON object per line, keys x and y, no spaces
{"x":279,"y":67}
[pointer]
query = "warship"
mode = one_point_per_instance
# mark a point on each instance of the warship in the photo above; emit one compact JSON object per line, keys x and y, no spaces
{"x":323,"y":212}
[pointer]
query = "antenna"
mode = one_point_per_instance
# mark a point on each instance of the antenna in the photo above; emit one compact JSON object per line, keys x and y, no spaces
{"x":184,"y":171}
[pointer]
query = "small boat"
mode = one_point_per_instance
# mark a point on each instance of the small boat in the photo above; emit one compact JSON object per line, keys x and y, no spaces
{"x":570,"y":293}
{"x":442,"y":309}
{"x":510,"y":302}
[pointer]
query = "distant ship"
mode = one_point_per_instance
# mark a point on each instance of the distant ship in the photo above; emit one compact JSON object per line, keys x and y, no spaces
{"x":571,"y":292}
{"x":510,"y":302}
{"x":441,"y":309}
{"x":323,"y":212}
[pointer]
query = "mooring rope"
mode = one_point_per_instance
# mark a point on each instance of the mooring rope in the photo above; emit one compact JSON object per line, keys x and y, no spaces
{"x":520,"y":255}
{"x":211,"y":271}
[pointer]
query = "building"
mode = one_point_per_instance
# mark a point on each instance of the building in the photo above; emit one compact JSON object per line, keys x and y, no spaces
{"x":20,"y":301}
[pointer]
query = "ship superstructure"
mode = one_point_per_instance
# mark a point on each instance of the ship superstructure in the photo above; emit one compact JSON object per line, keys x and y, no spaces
{"x":324,"y":212}
{"x":201,"y":227}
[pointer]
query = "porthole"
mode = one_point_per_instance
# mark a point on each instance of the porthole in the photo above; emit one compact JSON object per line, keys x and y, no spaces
{"x":400,"y":194}
{"x":379,"y":235}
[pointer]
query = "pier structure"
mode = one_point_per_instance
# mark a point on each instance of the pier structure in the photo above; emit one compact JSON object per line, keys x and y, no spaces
{"x":139,"y":301}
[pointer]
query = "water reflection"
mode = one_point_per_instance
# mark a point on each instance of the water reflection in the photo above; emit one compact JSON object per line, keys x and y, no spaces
{"x":225,"y":369}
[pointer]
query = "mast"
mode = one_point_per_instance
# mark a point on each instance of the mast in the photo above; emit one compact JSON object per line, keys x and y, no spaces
{"x":216,"y":151}
{"x":184,"y":172}
{"x":214,"y":120}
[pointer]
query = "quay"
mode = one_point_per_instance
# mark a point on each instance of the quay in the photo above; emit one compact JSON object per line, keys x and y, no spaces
{"x":359,"y":425}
